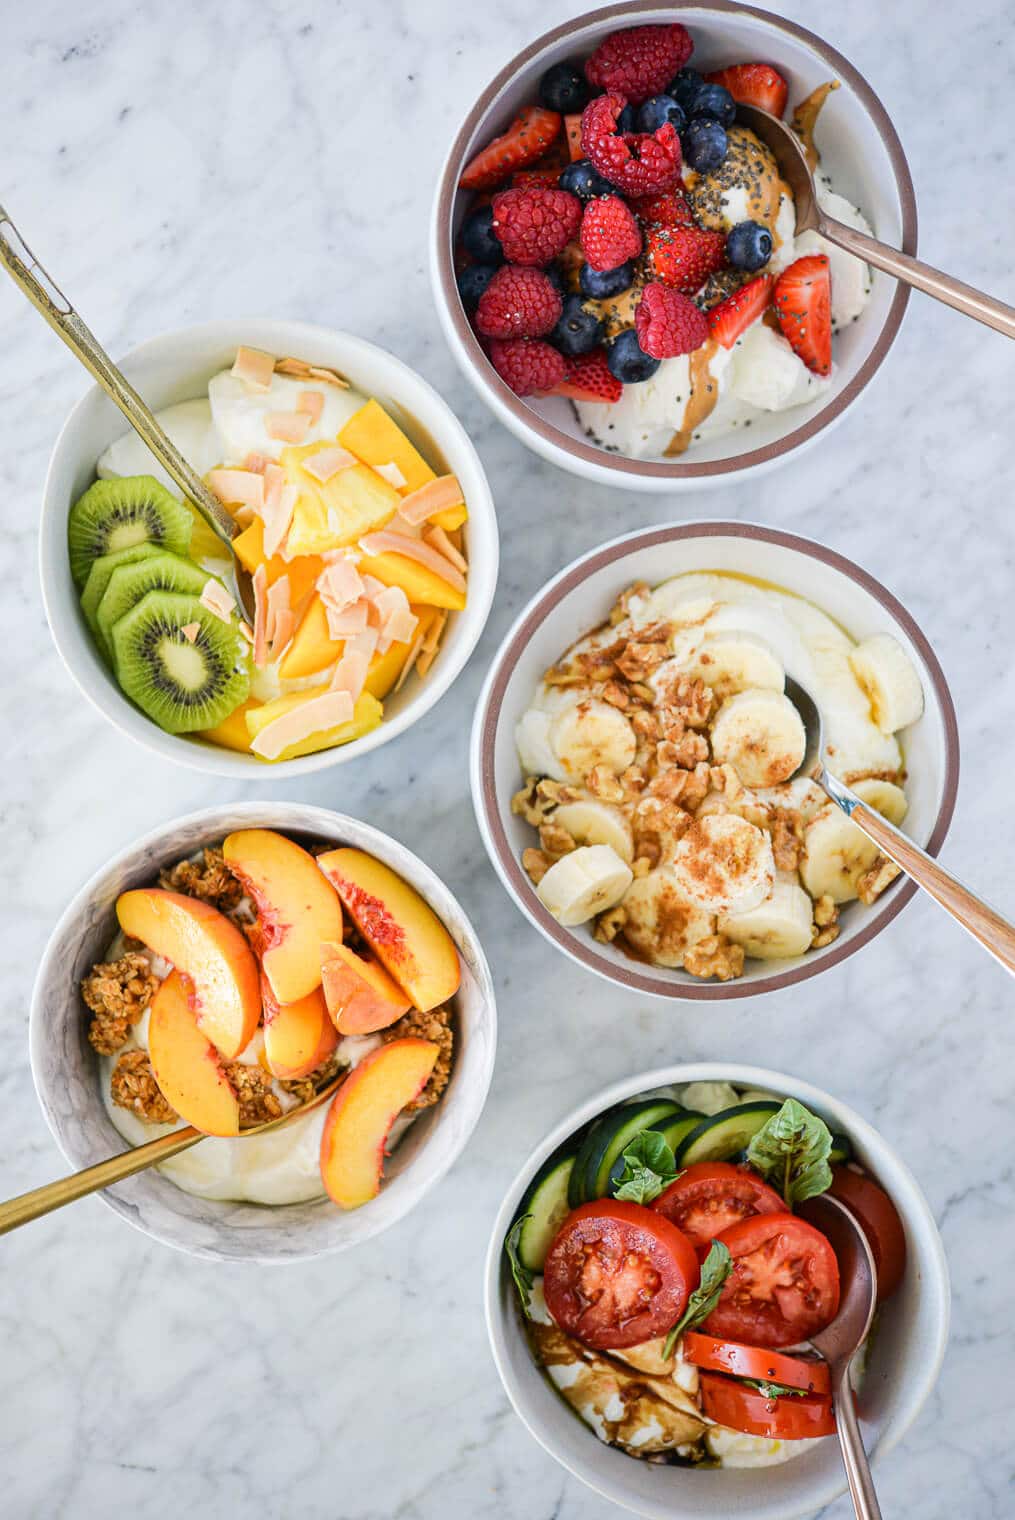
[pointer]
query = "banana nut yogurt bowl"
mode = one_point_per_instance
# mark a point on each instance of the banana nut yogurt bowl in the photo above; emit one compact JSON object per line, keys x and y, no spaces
{"x":634,"y":758}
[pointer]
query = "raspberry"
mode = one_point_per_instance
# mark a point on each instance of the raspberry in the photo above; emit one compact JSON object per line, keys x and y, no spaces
{"x":518,"y":303}
{"x":667,"y":210}
{"x":589,"y":378}
{"x":684,"y":257}
{"x":610,"y":234}
{"x":535,"y":224}
{"x":668,"y":324}
{"x":640,"y":61}
{"x":638,"y":163}
{"x":528,"y":365}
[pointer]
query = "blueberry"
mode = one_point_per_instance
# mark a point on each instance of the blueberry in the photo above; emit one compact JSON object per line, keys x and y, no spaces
{"x":578,"y":331}
{"x":684,"y":87}
{"x":628,"y":361}
{"x":626,"y":121}
{"x":704,"y":143}
{"x":562,"y":88}
{"x":556,"y":278}
{"x":749,"y":246}
{"x":715,"y":103}
{"x":597,"y":284}
{"x":472,"y":282}
{"x":582,"y":180}
{"x":659,"y":110}
{"x":479,"y":239}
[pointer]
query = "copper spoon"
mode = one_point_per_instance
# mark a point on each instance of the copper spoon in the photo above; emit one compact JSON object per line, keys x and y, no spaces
{"x":983,"y":922}
{"x":44,"y":293}
{"x":788,"y":152}
{"x":54,"y":1195}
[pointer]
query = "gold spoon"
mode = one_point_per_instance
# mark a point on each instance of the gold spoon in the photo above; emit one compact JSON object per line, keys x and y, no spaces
{"x":54,"y":1195}
{"x":788,"y":152}
{"x":44,"y":293}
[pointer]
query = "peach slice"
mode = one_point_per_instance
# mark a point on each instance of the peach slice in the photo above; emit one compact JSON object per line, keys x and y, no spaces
{"x":297,"y":1036}
{"x":211,"y":952}
{"x":402,"y":931}
{"x":362,"y":1113}
{"x":360,"y":995}
{"x":297,"y":909}
{"x":186,"y":1064}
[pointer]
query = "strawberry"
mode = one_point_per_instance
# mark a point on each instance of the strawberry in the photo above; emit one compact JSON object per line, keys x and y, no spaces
{"x":518,"y":303}
{"x":609,"y":233}
{"x":573,"y":130}
{"x":638,"y":163}
{"x":667,"y":210}
{"x":526,"y":178}
{"x":737,"y":311}
{"x":535,"y":224}
{"x":588,"y":378}
{"x":639,"y":61}
{"x":668,"y":323}
{"x":803,"y":304}
{"x":526,"y":139}
{"x":528,"y":365}
{"x":684,"y":257}
{"x":754,"y":84}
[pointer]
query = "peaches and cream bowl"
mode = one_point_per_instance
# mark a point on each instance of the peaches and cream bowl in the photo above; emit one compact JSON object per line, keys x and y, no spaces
{"x":223,"y":971}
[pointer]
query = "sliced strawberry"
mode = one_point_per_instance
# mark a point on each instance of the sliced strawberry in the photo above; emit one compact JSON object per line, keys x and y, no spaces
{"x":684,"y":257}
{"x":754,"y":84}
{"x":573,"y":129}
{"x":526,"y":177}
{"x":667,"y":210}
{"x":589,"y":378}
{"x":736,"y":313}
{"x":526,"y":139}
{"x":803,"y":304}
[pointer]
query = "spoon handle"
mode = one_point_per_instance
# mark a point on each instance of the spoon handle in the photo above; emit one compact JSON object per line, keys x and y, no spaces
{"x":854,"y":1454}
{"x":964,"y":298}
{"x":983,"y":922}
{"x":44,"y":293}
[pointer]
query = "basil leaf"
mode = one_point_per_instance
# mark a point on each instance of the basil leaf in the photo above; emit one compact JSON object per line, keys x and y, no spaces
{"x":648,"y":1168}
{"x":775,"y":1390}
{"x":715,"y":1269}
{"x":791,"y":1151}
{"x":521,"y":1274}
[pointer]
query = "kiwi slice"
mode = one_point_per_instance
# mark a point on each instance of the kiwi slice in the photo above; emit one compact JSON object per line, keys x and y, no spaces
{"x":159,"y":571}
{"x":120,"y":514}
{"x":182,"y":685}
{"x":99,"y":574}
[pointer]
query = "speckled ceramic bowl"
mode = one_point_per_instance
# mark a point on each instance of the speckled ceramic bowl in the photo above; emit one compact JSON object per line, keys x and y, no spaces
{"x":66,"y":1071}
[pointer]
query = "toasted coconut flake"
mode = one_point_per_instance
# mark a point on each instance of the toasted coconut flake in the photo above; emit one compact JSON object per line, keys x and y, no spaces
{"x":217,"y":599}
{"x":391,"y":473}
{"x":328,"y":710}
{"x":311,"y":402}
{"x":278,"y":601}
{"x":339,"y":584}
{"x":433,"y":634}
{"x":414,"y":652}
{"x":439,"y":540}
{"x":327,"y":462}
{"x":243,"y":486}
{"x":190,"y":632}
{"x":254,"y":368}
{"x":255,"y":462}
{"x":435,"y":496}
{"x":386,"y":542}
{"x":349,"y":621}
{"x":288,"y":427}
{"x":260,"y":582}
{"x":277,"y":518}
{"x":329,"y":376}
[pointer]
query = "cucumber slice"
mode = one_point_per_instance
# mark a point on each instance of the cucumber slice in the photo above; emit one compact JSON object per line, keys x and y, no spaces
{"x":576,"y":1185}
{"x":615,"y":1131}
{"x":842,"y":1150}
{"x":726,"y":1133}
{"x":677,"y":1126}
{"x":547,"y":1203}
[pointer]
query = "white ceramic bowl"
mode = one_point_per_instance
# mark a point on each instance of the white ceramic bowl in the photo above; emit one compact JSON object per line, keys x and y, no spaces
{"x":860,"y":150}
{"x":579,"y":598}
{"x":905,"y":1358}
{"x":177,"y":367}
{"x":66,"y":1069}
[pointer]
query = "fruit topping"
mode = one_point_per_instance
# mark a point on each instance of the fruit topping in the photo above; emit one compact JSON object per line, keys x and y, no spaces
{"x":735,"y":314}
{"x":749,"y":246}
{"x":478,"y":238}
{"x":667,"y":210}
{"x":627,"y":359}
{"x":657,"y":111}
{"x":684,"y":257}
{"x":600,"y":284}
{"x":581,"y":179}
{"x":472,"y":282}
{"x":579,"y":330}
{"x":755,"y":84}
{"x":528,"y":365}
{"x":518,"y":303}
{"x":184,"y":677}
{"x":535,"y":224}
{"x":803,"y":304}
{"x":526,"y":139}
{"x":638,"y":61}
{"x":121,"y":514}
{"x":354,"y":1139}
{"x":705,"y":144}
{"x":714,"y":102}
{"x":609,"y":233}
{"x":684,"y":86}
{"x":589,"y":378}
{"x":668,"y":323}
{"x":563,"y":88}
{"x":636,"y":163}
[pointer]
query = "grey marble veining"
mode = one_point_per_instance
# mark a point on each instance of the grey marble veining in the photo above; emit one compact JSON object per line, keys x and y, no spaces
{"x":143,"y":146}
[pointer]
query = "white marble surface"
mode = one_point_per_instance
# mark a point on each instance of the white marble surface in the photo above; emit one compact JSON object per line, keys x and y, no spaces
{"x":142,"y":147}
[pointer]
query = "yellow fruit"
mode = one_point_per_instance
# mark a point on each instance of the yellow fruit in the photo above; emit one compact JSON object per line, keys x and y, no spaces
{"x":419,"y":583}
{"x":451,"y":518}
{"x":353,"y":502}
{"x":376,"y":438}
{"x":232,"y":732}
{"x":312,"y":648}
{"x":302,"y":571}
{"x":367,"y":715}
{"x":385,"y":670}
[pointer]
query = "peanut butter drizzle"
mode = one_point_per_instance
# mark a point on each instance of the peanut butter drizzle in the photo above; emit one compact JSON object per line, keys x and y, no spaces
{"x":805,"y":118}
{"x":703,"y":397}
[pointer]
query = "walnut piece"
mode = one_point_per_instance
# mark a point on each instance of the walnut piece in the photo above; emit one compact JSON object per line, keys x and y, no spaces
{"x":555,"y":840}
{"x":538,"y":798}
{"x":133,"y":1086}
{"x":685,"y":753}
{"x":873,"y":882}
{"x":252,"y":1086}
{"x":822,"y":937}
{"x":688,"y":699}
{"x":609,"y":924}
{"x":209,"y":878}
{"x":689,"y":788}
{"x":117,"y":992}
{"x":825,"y":911}
{"x":602,"y":783}
{"x":621,"y":607}
{"x":785,"y":841}
{"x":715,"y":956}
{"x":434,"y":1026}
{"x":535,"y":865}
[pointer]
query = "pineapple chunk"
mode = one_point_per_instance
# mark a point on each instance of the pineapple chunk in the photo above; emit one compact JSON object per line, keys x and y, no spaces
{"x":366,"y":716}
{"x":352,"y":503}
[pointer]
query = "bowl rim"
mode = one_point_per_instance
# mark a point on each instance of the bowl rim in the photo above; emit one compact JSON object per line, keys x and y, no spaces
{"x":215,"y":760}
{"x":479,"y":967}
{"x":483,"y":757}
{"x":550,"y":440}
{"x":933,"y":1265}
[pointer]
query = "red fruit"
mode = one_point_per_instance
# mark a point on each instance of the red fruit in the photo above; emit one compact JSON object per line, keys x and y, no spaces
{"x":535,"y":224}
{"x":638,"y":163}
{"x":667,"y":210}
{"x":589,"y":379}
{"x":668,"y":323}
{"x":573,"y":131}
{"x":518,"y":303}
{"x":526,"y":139}
{"x":754,"y":84}
{"x":528,"y":177}
{"x":609,"y":235}
{"x":803,"y":304}
{"x":735,"y":314}
{"x":639,"y":61}
{"x":684,"y":257}
{"x":528,"y":365}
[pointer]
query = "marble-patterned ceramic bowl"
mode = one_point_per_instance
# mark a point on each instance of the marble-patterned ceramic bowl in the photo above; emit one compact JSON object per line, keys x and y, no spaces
{"x":905,"y":1358}
{"x":66,"y":1069}
{"x":861,"y":152}
{"x":177,"y":367}
{"x":579,"y":598}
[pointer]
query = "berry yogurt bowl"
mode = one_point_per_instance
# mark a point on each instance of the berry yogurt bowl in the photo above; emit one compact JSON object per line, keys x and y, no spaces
{"x":614,"y":252}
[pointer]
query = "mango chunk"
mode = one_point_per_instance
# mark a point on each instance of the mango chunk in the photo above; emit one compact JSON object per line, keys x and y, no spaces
{"x":352,"y":503}
{"x":451,"y":518}
{"x":312,"y":647}
{"x":376,"y":438}
{"x":232,"y":732}
{"x":366,"y":716}
{"x":419,"y":583}
{"x":302,"y":571}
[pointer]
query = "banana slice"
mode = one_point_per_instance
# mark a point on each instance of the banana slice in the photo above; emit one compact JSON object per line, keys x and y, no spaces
{"x":836,"y":852}
{"x":724,"y":864}
{"x":597,"y":823}
{"x":592,"y":733}
{"x":532,"y":741}
{"x":586,"y":882}
{"x":761,"y":735}
{"x":661,"y":923}
{"x":659,"y":825}
{"x":776,"y":929}
{"x":732,"y":662}
{"x":884,"y":796}
{"x":888,"y":679}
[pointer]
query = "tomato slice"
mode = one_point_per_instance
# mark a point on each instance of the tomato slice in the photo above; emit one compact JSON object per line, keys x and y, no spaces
{"x":794,"y":1417}
{"x":784,"y":1286}
{"x":880,"y":1222}
{"x":709,"y":1196}
{"x":618,"y":1274}
{"x":809,"y":1373}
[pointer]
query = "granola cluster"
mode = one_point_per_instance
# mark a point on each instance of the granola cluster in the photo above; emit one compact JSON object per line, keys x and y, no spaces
{"x":434,"y":1026}
{"x":208,"y":878}
{"x":117,"y":992}
{"x":133,"y":1086}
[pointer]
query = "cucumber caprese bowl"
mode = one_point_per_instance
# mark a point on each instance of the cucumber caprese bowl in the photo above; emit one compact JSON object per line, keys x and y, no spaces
{"x":656,"y":1271}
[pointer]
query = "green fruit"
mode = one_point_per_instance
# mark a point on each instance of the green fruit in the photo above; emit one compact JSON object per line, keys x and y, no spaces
{"x":120,"y":514}
{"x":98,"y":578}
{"x":183,"y":686}
{"x":160,"y":571}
